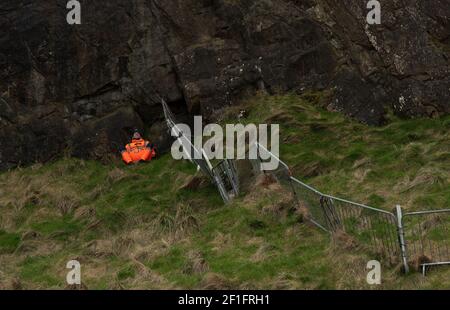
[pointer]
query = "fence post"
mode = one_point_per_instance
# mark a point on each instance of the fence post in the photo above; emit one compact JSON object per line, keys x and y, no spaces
{"x":401,"y":237}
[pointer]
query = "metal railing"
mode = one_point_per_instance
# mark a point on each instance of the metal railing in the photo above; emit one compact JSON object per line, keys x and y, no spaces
{"x":420,"y":238}
{"x":195,"y":155}
{"x":374,"y":228}
{"x":223,"y":175}
{"x":226,"y":177}
{"x":427,"y":235}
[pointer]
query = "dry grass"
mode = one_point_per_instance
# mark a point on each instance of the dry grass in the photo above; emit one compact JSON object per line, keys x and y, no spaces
{"x":170,"y":230}
{"x":213,"y":281}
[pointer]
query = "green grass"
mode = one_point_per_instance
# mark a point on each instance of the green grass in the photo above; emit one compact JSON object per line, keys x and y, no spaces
{"x":136,"y":227}
{"x":60,"y":228}
{"x":8,"y":241}
{"x":38,"y":270}
{"x":126,"y":272}
{"x":340,"y":156}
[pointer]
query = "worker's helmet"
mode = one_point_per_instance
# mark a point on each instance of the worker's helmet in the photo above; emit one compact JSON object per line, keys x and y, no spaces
{"x":137,"y":135}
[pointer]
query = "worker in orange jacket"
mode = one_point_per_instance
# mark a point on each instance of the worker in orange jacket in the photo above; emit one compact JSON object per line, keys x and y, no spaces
{"x":138,"y":150}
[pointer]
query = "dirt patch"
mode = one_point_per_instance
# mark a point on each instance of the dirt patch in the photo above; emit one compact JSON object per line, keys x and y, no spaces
{"x":263,"y":253}
{"x":265,"y":180}
{"x":194,"y":183}
{"x":285,"y":281}
{"x":213,"y":281}
{"x":425,"y":176}
{"x":99,"y":248}
{"x":221,"y":242}
{"x":196,"y":263}
{"x":343,"y":241}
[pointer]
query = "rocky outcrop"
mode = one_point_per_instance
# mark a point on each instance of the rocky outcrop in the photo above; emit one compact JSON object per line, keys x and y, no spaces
{"x":404,"y":62}
{"x":83,"y":88}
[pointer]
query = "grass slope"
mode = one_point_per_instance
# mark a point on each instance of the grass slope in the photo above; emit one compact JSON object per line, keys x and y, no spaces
{"x":149,"y":227}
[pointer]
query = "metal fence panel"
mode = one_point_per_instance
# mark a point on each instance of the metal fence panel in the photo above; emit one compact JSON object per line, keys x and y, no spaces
{"x":427,"y":235}
{"x":195,"y":155}
{"x":372,"y":228}
{"x":309,"y":200}
{"x":224,"y":175}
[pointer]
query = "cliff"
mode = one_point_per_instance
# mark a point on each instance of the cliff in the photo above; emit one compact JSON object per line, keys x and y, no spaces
{"x":81,"y":89}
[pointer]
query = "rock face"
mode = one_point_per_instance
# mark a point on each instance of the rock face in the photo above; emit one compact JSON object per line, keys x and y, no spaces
{"x":82,"y":89}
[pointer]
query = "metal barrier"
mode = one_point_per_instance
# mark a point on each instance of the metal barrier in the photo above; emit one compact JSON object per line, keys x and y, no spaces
{"x":421,"y":237}
{"x":195,"y":155}
{"x":224,"y":175}
{"x":374,"y":228}
{"x":427,"y":235}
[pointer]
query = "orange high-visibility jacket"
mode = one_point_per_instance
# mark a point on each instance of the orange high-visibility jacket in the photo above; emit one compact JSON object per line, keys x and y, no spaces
{"x":137,"y":145}
{"x":138,"y":150}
